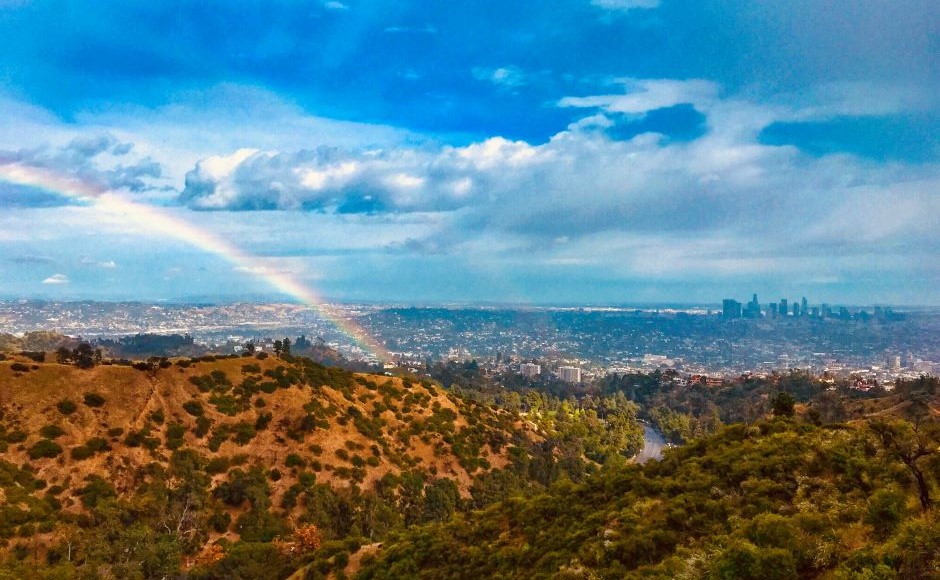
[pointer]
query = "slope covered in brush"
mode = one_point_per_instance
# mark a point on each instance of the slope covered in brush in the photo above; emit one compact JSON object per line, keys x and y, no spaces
{"x":213,"y":466}
{"x":776,"y":500}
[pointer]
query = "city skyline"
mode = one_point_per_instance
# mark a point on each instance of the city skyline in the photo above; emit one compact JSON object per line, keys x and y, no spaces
{"x":601,"y":151}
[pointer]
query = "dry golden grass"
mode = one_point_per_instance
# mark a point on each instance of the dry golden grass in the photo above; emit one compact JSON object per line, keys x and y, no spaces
{"x":28,"y":402}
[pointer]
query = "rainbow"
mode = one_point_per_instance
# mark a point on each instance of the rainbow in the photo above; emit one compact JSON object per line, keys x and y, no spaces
{"x":159,"y":220}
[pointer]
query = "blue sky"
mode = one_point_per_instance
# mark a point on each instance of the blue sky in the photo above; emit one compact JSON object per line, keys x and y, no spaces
{"x":599,"y":151}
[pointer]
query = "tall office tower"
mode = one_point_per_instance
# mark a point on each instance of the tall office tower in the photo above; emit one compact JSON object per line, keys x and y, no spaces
{"x":803,"y":306}
{"x":730,"y":308}
{"x":753,"y":308}
{"x":773,"y":309}
{"x":784,"y":308}
{"x":796,"y":309}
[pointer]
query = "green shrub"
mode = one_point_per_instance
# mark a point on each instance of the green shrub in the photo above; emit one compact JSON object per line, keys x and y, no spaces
{"x":97,"y":444}
{"x":44,"y":448}
{"x":52,"y":432}
{"x":244,"y":432}
{"x":203,"y":424}
{"x":194,"y":408}
{"x":81,"y":452}
{"x":217,"y":465}
{"x":94,"y":400}
{"x":66,"y":407}
{"x":174,"y":435}
{"x":220,"y":521}
{"x":97,"y":489}
{"x":264,"y":419}
{"x":15,"y":436}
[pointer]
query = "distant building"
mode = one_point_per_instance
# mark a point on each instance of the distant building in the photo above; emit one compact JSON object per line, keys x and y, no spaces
{"x":530,"y":370}
{"x":804,"y":305}
{"x":753,"y":308}
{"x":569,"y":374}
{"x":730,"y":309}
{"x":784,"y":307}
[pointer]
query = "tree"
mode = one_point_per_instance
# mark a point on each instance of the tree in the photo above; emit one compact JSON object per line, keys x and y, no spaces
{"x":278,"y":348}
{"x":782,"y":404}
{"x":250,"y":347}
{"x":285,"y":348}
{"x":84,"y":355}
{"x":910,"y":443}
{"x":63,"y":356}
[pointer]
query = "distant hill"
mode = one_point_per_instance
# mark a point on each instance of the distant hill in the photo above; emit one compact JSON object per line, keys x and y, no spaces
{"x":40,"y":340}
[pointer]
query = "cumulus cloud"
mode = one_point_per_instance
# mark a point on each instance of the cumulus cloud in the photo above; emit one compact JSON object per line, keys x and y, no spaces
{"x":720,"y":204}
{"x":86,"y":159}
{"x":344,"y":181}
{"x":56,"y":279}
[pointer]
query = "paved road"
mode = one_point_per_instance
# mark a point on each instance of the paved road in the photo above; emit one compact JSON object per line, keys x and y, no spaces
{"x":653,"y":445}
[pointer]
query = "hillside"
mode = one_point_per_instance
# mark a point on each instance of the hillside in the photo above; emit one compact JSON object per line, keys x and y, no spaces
{"x":776,"y":500}
{"x":243,"y":448}
{"x":36,"y":341}
{"x":264,"y":467}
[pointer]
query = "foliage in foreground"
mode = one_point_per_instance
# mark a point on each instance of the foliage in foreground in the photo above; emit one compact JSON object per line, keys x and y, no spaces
{"x":775,"y":500}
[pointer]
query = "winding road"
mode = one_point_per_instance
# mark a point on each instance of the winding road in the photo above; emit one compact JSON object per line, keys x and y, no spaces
{"x":653,"y":445}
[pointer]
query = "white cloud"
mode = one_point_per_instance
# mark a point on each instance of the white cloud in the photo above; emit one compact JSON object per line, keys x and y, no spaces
{"x":107,"y":264}
{"x":507,"y":76}
{"x":334,"y":5}
{"x":585,"y":199}
{"x":426,"y":29}
{"x":644,"y":95}
{"x":625,"y":4}
{"x":56,"y":279}
{"x":723,"y":204}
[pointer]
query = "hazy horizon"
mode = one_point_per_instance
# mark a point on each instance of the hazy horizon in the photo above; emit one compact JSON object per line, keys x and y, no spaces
{"x":273,"y":300}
